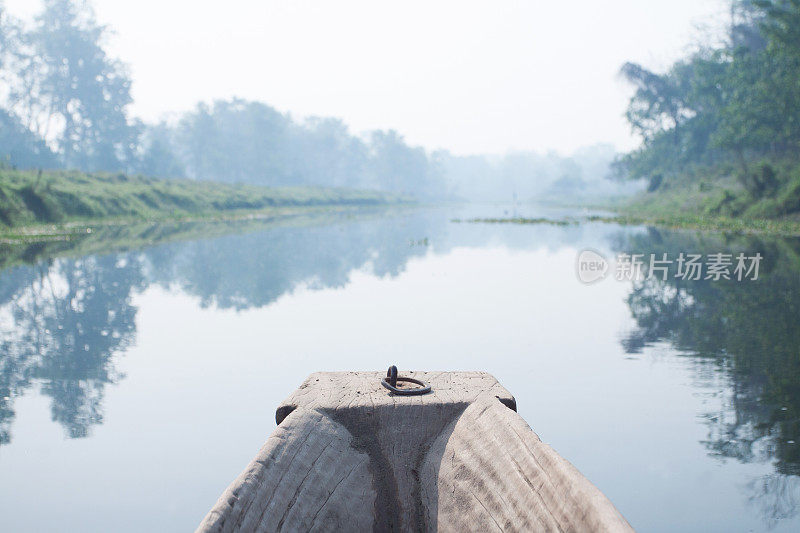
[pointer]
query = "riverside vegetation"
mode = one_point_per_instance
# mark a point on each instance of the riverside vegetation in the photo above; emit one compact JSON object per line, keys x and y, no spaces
{"x":721,"y":128}
{"x":36,"y":204}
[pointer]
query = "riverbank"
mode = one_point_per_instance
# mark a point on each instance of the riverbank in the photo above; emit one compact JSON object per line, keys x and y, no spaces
{"x":37,"y":205}
{"x":765,"y":203}
{"x":763,"y":198}
{"x":780,"y":227}
{"x":644,"y":213}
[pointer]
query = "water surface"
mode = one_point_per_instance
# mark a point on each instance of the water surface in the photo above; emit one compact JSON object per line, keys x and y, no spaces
{"x":135,"y":385}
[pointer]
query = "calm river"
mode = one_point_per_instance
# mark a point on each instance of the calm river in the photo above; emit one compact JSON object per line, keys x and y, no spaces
{"x":137,"y":380}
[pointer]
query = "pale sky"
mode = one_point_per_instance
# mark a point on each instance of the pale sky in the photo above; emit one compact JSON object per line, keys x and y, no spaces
{"x":468,"y":76}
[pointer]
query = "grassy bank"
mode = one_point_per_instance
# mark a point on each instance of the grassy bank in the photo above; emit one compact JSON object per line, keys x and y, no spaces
{"x":655,"y":211}
{"x":41,"y":204}
{"x":782,"y":227}
{"x":764,"y":198}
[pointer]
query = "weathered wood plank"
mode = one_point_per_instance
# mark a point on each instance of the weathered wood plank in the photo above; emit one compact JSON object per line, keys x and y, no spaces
{"x":347,"y":455}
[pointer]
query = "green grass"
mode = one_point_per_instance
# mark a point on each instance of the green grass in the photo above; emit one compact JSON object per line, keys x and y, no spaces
{"x":681,"y":209}
{"x":35,"y":204}
{"x":653,"y":213}
{"x":720,"y":200}
{"x":783,"y":227}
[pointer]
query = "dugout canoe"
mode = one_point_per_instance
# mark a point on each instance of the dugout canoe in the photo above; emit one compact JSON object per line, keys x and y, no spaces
{"x":350,"y":455}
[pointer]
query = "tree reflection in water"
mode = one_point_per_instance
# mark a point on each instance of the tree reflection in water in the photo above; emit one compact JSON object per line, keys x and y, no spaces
{"x":750,"y":332}
{"x":62,"y":321}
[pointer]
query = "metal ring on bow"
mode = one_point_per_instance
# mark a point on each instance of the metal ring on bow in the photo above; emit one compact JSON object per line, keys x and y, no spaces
{"x":391,"y":379}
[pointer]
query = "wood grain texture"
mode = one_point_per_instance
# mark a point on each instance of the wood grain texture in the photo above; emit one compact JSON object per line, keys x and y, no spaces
{"x":349,"y":456}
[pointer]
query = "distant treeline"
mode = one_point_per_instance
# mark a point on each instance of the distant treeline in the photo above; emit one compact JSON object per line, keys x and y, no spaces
{"x":244,"y":141}
{"x":730,"y":109}
{"x":64,"y":104}
{"x":580,"y":177}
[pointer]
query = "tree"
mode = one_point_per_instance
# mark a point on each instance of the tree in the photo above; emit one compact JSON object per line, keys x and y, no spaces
{"x":236,"y":141}
{"x":157,"y":155}
{"x":243,"y":141}
{"x":660,"y":99}
{"x":397,"y":167}
{"x":325,"y":153}
{"x":21,"y":148}
{"x":18,"y":145}
{"x":736,"y":103}
{"x":9,"y":47}
{"x":73,"y":94}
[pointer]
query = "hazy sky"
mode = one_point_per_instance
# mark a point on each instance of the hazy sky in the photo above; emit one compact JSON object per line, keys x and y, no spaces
{"x":487,"y":76}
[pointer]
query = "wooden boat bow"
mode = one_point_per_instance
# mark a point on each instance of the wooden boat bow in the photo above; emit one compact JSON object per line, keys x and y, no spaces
{"x":349,"y":455}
